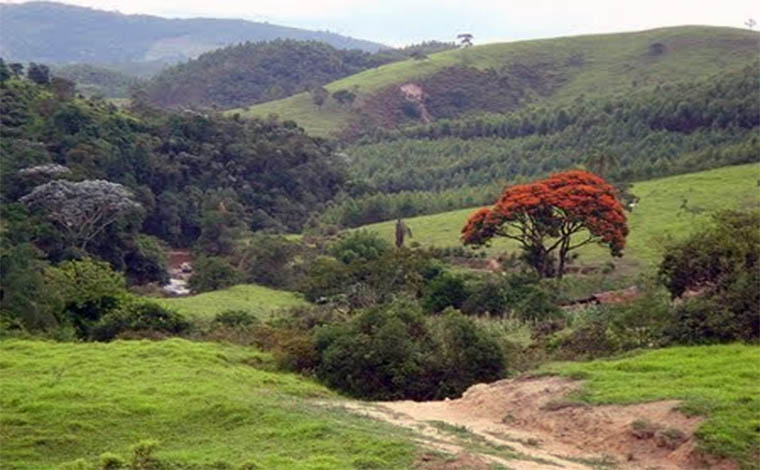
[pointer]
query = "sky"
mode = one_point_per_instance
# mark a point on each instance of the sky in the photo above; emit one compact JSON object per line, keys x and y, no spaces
{"x":402,"y":22}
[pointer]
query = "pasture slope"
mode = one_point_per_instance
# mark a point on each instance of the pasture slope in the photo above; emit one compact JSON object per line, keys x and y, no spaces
{"x":258,"y":300}
{"x":669,"y":208}
{"x":209,"y":406}
{"x":590,"y":65}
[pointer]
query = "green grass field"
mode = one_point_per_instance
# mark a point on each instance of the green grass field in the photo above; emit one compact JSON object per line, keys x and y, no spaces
{"x":258,"y":300}
{"x":719,"y":382}
{"x":657,"y":219}
{"x":608,"y":64}
{"x":208,"y":405}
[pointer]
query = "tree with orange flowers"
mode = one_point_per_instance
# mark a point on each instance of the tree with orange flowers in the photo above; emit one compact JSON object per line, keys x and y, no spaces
{"x":552,"y":217}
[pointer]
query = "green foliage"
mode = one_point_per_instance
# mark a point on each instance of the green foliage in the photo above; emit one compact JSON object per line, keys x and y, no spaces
{"x":718,"y":382}
{"x":722,"y":260}
{"x":148,"y":262}
{"x":67,"y":401}
{"x":443,"y":291}
{"x":270,"y":260}
{"x":213,"y":273}
{"x":392,"y":352}
{"x":88,"y":290}
{"x":141,"y":317}
{"x":360,"y":245}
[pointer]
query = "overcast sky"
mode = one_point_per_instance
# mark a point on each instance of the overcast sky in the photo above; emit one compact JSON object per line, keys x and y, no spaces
{"x":400,"y":22}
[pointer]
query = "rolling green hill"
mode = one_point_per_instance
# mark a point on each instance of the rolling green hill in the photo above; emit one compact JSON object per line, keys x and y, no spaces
{"x":511,"y":75}
{"x":660,"y":215}
{"x":208,"y":406}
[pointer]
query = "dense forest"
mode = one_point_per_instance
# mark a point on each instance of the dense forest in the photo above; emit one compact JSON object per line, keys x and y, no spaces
{"x":92,"y":80}
{"x":80,"y":175}
{"x":252,"y":73}
{"x":668,"y":129}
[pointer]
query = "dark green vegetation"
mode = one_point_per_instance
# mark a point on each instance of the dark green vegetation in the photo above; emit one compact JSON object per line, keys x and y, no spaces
{"x":58,"y":33}
{"x":253,"y":73}
{"x":207,"y":406}
{"x":719,"y":382}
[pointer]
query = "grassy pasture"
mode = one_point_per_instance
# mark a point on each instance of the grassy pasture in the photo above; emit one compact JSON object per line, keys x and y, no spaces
{"x":658,"y":217}
{"x":209,"y":406}
{"x":259,"y":300}
{"x":719,"y":382}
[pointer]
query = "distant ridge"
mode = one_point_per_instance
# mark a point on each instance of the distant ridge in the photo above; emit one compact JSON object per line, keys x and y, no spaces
{"x":53,"y":32}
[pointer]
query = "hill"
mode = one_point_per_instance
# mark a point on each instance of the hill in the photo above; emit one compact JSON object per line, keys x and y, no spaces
{"x":253,"y":73}
{"x":669,"y":208}
{"x":208,"y":406}
{"x":509,"y":76}
{"x":52,"y":32}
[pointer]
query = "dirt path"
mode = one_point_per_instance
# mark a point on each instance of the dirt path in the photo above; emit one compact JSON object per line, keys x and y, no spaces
{"x":530,"y":424}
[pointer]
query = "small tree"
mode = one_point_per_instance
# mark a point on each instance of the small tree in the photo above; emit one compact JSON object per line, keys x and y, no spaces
{"x":750,"y":23}
{"x":402,"y":231}
{"x":83,"y":209}
{"x":17,"y":69}
{"x":552,"y":217}
{"x":465,"y":39}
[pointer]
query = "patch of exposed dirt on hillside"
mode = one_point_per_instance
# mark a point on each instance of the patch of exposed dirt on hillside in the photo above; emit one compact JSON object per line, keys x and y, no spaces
{"x":532,"y":424}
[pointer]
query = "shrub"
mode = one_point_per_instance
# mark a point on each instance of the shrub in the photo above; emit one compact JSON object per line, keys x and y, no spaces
{"x":445,"y":290}
{"x":213,"y":273}
{"x":641,"y":322}
{"x":394,"y":352}
{"x":270,"y":261}
{"x":468,"y":353}
{"x":360,"y":245}
{"x":723,"y":262}
{"x":139,"y":316}
{"x":487,"y":297}
{"x":89,"y":290}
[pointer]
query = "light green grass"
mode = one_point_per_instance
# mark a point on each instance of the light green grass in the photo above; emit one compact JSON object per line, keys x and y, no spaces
{"x":657,"y":219}
{"x":610,"y":64}
{"x":206,"y":404}
{"x":259,"y":300}
{"x":720,"y":382}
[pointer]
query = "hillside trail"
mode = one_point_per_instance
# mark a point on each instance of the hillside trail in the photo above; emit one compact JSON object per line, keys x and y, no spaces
{"x":530,"y":423}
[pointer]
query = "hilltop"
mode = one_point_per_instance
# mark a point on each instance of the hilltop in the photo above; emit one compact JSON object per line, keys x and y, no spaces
{"x":53,"y":32}
{"x":506,"y":77}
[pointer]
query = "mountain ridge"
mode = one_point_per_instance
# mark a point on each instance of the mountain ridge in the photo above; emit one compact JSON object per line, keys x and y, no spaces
{"x":35,"y":31}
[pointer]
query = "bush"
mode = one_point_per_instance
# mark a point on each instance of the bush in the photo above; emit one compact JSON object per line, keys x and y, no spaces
{"x":469,"y":355}
{"x":235,"y":319}
{"x":642,"y":322}
{"x":88,"y":289}
{"x":394,"y":352}
{"x":722,"y":263}
{"x":213,"y":273}
{"x":270,"y":261}
{"x":139,"y":316}
{"x":360,"y":245}
{"x":445,"y":290}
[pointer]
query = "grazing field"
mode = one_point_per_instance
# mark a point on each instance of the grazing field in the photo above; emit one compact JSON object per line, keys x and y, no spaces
{"x":669,"y":208}
{"x":207,"y":405}
{"x":259,"y":300}
{"x":593,"y":65}
{"x":719,"y":382}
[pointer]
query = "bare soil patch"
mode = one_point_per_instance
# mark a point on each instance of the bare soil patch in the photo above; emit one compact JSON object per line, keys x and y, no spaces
{"x":533,"y":423}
